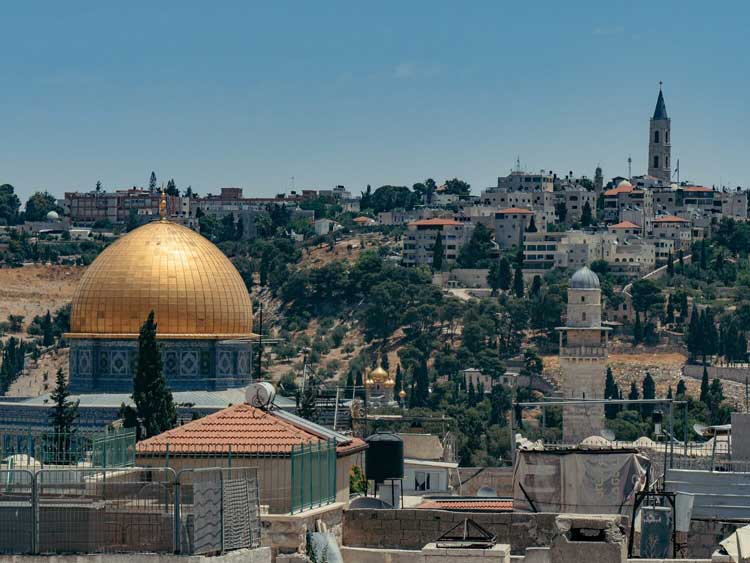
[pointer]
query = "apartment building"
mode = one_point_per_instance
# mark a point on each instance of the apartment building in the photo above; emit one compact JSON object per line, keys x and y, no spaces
{"x":512,"y":223}
{"x":625,"y":230}
{"x":673,"y":228}
{"x":419,"y":241}
{"x":85,"y":208}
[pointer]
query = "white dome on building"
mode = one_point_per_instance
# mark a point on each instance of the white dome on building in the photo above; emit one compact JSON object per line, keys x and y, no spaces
{"x":624,"y":184}
{"x":584,"y":279}
{"x":53,"y":216}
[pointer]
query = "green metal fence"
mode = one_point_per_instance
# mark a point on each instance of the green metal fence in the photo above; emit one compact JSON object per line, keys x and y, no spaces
{"x":313,"y":475}
{"x":37,"y":450}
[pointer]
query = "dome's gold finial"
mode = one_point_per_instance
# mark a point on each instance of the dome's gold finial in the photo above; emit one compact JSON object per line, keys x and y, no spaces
{"x":163,"y":204}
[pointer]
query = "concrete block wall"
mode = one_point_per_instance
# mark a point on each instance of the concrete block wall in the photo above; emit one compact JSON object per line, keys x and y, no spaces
{"x":412,"y":529}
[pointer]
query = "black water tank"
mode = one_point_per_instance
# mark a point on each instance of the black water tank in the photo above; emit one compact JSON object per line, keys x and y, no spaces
{"x":384,"y":458}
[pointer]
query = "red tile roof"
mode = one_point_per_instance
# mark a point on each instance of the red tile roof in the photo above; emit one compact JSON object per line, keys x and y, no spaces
{"x":437,"y":222}
{"x":243,"y":428}
{"x":625,"y":225}
{"x":670,"y":219}
{"x":362,"y":219}
{"x":619,"y":190}
{"x":469,"y":505}
{"x":519,"y":210}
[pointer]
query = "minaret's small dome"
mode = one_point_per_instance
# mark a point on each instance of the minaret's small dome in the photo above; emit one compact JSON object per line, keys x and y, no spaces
{"x":584,"y":279}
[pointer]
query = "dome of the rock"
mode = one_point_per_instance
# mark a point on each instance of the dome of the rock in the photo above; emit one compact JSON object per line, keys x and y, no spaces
{"x":192,"y":287}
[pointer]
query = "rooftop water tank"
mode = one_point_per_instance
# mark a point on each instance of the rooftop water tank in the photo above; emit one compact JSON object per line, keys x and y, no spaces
{"x":384,"y":458}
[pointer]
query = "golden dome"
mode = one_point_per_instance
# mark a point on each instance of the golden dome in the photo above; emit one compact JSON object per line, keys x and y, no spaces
{"x":379,"y":374}
{"x":193,"y":288}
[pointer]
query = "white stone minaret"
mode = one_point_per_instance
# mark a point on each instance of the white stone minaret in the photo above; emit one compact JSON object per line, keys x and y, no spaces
{"x":660,"y":143}
{"x":583,"y":357}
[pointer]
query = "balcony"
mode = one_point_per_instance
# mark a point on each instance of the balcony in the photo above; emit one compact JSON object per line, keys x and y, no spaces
{"x":583,"y":351}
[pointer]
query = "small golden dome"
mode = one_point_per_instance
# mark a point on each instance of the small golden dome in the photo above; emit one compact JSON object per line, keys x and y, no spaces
{"x":192,"y":287}
{"x":379,"y":375}
{"x":402,"y":394}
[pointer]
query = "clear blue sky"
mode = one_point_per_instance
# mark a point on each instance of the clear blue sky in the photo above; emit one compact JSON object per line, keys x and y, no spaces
{"x":249,"y":94}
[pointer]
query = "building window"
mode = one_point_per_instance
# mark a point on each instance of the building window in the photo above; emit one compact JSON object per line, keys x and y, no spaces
{"x":583,"y":316}
{"x":666,"y":136}
{"x":666,"y":161}
{"x":421,"y":481}
{"x":656,"y":136}
{"x":656,"y":161}
{"x":583,"y":299}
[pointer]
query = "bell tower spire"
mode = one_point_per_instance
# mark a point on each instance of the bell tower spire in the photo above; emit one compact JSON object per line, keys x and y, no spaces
{"x":660,"y":142}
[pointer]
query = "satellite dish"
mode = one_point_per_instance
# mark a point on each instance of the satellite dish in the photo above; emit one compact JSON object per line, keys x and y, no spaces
{"x":607,"y":434}
{"x":260,"y":395}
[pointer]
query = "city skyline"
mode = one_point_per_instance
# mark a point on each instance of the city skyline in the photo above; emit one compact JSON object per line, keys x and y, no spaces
{"x":246,"y":96}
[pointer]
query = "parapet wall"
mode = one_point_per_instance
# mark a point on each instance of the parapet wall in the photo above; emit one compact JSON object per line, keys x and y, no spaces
{"x":412,"y":529}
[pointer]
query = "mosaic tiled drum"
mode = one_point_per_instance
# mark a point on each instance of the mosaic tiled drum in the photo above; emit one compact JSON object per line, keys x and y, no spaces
{"x":201,"y":306}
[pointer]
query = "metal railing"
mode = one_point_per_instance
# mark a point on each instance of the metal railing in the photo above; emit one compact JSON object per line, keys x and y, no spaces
{"x":290,"y":480}
{"x":97,"y":510}
{"x":313,"y":475}
{"x":39,"y":450}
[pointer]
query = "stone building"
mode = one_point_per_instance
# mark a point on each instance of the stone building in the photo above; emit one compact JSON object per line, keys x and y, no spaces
{"x":419,"y":241}
{"x":660,"y":143}
{"x":511,"y":225}
{"x":583,"y":357}
{"x":201,"y":305}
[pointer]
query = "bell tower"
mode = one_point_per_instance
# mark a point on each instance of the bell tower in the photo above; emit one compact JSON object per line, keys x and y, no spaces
{"x":660,"y":143}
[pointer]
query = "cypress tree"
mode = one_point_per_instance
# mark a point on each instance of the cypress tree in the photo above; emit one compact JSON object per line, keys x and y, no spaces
{"x":518,"y":282}
{"x":681,"y":389}
{"x":399,"y":381}
{"x":670,"y":264}
{"x":505,"y":275}
{"x":536,"y":286}
{"x":649,"y":392}
{"x":611,"y":391}
{"x":633,"y":395}
{"x":637,"y":330}
{"x":587,"y":217}
{"x":359,"y":384}
{"x":681,"y":258}
{"x":669,"y":393}
{"x":472,"y":397}
{"x":62,"y":417}
{"x":437,"y":253}
{"x":704,"y":386}
{"x":152,"y":397}
{"x":349,"y":381}
{"x":703,"y":255}
{"x":694,"y":337}
{"x":48,"y":337}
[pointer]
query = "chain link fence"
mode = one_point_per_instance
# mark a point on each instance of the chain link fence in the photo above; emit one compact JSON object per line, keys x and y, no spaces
{"x":98,"y":510}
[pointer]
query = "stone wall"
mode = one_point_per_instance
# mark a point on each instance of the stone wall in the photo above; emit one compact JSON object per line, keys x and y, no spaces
{"x":414,"y":528}
{"x":738,"y":374}
{"x":286,"y":533}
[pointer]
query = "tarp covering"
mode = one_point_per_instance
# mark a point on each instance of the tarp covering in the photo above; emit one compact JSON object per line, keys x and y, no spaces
{"x":579,"y":481}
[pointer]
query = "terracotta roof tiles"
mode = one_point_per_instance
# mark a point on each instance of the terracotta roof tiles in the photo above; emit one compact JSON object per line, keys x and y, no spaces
{"x":243,"y":428}
{"x":470,"y":505}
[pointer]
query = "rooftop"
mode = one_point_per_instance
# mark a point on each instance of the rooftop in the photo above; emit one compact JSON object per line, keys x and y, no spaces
{"x":670,"y":219}
{"x":518,"y":210}
{"x":437,"y":222}
{"x":244,"y":429}
{"x":625,"y":225}
{"x":472,"y":504}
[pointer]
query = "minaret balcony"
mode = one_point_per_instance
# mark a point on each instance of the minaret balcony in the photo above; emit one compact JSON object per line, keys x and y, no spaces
{"x":583,"y":351}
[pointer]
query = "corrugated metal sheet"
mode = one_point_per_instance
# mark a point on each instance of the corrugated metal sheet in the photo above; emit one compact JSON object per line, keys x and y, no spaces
{"x":718,"y":494}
